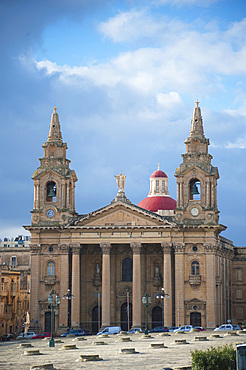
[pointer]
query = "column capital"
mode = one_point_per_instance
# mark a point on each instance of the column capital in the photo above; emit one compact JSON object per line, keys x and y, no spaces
{"x":105,"y":247}
{"x":64,"y":248}
{"x":166,"y":247}
{"x":179,"y":247}
{"x":136,"y":247}
{"x":35,"y":248}
{"x":75,"y":248}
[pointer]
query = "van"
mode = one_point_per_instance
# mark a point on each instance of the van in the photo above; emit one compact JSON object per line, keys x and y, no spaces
{"x":110,"y":330}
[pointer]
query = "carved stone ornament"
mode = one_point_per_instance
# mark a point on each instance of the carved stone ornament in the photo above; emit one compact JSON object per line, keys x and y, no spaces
{"x":75,"y":248}
{"x":64,"y":248}
{"x":136,"y":247}
{"x":166,"y":247}
{"x":35,"y":248}
{"x":179,"y":247}
{"x":97,"y":279}
{"x":157,"y":281}
{"x":105,"y":248}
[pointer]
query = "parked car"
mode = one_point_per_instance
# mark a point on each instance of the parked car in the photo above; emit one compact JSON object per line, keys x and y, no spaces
{"x":134,"y":331}
{"x":159,"y":329}
{"x":200,"y":328}
{"x":227,"y":327}
{"x":87,"y":332}
{"x":184,"y":328}
{"x":7,"y":337}
{"x":41,"y":335}
{"x":27,"y":335}
{"x":110,"y":330}
{"x":172,"y":328}
{"x":76,"y":332}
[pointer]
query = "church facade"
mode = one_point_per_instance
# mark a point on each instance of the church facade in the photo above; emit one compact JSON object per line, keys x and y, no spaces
{"x":111,"y":257}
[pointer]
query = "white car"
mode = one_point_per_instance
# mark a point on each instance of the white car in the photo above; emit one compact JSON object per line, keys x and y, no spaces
{"x":227,"y":327}
{"x":27,"y":335}
{"x":135,"y":330}
{"x":184,"y":328}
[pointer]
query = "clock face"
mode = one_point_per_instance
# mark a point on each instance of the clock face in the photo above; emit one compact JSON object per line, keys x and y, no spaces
{"x":194,"y":212}
{"x":50,"y":213}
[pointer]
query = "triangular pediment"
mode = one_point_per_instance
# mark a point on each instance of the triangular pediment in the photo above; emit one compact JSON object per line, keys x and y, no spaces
{"x":120,"y":214}
{"x":47,"y":172}
{"x":211,"y":171}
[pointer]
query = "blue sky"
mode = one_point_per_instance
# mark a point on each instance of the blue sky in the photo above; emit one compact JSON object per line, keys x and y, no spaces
{"x":124,"y":76}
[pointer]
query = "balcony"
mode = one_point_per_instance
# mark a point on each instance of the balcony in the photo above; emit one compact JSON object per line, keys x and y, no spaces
{"x":195,"y":280}
{"x":50,"y":279}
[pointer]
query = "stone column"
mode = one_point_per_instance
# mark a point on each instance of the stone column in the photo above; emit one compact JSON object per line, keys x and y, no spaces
{"x":167,"y":283}
{"x":105,"y":284}
{"x":75,"y":309}
{"x":136,"y":286}
{"x":64,"y":283}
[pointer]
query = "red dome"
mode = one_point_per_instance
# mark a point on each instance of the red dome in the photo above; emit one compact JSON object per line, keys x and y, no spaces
{"x":157,"y":203}
{"x":158,"y":173}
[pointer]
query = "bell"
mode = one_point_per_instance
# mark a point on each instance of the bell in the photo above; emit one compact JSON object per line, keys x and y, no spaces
{"x":194,"y":190}
{"x":52,"y":193}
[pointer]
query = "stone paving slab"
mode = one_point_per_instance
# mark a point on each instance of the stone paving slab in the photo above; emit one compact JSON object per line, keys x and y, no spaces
{"x":11,"y":357}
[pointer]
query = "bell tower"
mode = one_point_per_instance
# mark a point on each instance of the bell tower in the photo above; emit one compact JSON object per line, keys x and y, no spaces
{"x":197,"y":178}
{"x":54,"y":181}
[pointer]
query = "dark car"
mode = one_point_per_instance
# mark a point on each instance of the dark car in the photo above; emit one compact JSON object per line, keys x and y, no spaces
{"x":172,"y":328}
{"x":76,"y":332}
{"x":159,"y":329}
{"x":7,"y":337}
{"x":41,"y":335}
{"x":200,"y":328}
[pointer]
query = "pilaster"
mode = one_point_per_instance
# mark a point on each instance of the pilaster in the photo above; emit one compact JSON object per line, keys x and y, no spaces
{"x":75,"y":316}
{"x":136,"y":285}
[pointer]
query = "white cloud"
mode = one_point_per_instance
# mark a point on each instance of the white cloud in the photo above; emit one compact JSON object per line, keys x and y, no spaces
{"x":171,"y":99}
{"x":129,"y":26}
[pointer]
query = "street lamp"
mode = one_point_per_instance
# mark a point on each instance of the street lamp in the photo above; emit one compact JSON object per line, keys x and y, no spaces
{"x":54,"y":302}
{"x":146,"y":301}
{"x":68,"y":296}
{"x":162,"y":295}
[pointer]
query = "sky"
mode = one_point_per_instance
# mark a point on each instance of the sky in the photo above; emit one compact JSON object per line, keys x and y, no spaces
{"x":124,"y":76}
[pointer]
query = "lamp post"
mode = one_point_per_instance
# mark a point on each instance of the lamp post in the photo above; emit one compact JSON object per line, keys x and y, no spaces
{"x":146,"y":301}
{"x":162,"y":295}
{"x":68,"y":296}
{"x":54,"y":302}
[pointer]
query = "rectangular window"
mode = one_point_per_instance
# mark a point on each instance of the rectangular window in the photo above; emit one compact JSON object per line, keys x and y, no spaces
{"x":157,"y":186}
{"x":13,"y":261}
{"x":239,"y":294}
{"x":239,"y":275}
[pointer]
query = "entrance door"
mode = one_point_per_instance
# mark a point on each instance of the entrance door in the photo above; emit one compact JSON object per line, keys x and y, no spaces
{"x":47,"y":324}
{"x":126,"y":316}
{"x":96,"y":319}
{"x":156,"y":317}
{"x":195,"y":319}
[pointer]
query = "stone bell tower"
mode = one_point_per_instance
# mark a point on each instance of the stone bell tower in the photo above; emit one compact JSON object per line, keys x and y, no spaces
{"x":54,"y":181}
{"x":197,"y":178}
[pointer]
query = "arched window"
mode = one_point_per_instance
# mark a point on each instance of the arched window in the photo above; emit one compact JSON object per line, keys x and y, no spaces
{"x":239,"y":312}
{"x":51,"y":191}
{"x":127,"y":269}
{"x":195,"y":268}
{"x":51,"y":268}
{"x":195,"y":189}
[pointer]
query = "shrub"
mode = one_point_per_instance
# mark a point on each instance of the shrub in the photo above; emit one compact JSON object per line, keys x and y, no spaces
{"x":220,"y":358}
